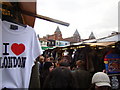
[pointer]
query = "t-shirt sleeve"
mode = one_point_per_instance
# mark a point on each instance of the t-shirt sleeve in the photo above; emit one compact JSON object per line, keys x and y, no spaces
{"x":36,"y":47}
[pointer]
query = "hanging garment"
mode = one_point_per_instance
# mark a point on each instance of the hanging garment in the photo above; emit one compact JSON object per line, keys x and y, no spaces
{"x":20,"y":48}
{"x":112,"y":62}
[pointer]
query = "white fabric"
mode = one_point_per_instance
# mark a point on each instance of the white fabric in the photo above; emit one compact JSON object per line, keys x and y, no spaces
{"x":0,"y":52}
{"x":20,"y":49}
{"x":103,"y":84}
{"x":101,"y":79}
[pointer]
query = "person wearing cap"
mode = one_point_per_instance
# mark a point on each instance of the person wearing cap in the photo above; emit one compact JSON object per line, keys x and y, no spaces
{"x":101,"y":81}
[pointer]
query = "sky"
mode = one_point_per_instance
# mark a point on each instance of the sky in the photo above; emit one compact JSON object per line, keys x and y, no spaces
{"x":97,"y":16}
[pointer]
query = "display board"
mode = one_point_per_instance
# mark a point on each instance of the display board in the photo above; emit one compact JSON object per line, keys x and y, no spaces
{"x":112,"y":63}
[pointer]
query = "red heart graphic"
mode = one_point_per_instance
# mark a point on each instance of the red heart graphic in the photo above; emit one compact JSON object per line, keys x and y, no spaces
{"x":17,"y":48}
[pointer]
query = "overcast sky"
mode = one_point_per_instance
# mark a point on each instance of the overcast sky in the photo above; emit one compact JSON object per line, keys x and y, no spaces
{"x":97,"y":16}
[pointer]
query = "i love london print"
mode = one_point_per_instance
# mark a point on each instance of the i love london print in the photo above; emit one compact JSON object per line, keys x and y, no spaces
{"x":17,"y":49}
{"x":15,"y":61}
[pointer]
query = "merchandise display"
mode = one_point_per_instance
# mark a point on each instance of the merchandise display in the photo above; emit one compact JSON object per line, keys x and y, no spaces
{"x":20,"y":48}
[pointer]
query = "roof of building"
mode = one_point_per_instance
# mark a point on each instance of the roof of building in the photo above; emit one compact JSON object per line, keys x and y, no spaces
{"x":76,"y":32}
{"x":57,"y":29}
{"x":92,"y":36}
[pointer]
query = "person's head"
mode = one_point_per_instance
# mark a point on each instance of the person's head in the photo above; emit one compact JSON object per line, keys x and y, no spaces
{"x":65,"y":58}
{"x":64,"y":64}
{"x":60,"y":78}
{"x":41,"y":58}
{"x":48,"y":66}
{"x":52,"y":59}
{"x":47,"y":59}
{"x":80,"y":64}
{"x":101,"y":81}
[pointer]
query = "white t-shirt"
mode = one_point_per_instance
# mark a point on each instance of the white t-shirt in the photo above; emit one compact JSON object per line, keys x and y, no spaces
{"x":20,"y":48}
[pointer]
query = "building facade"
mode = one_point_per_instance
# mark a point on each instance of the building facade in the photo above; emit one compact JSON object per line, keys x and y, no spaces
{"x":56,"y":39}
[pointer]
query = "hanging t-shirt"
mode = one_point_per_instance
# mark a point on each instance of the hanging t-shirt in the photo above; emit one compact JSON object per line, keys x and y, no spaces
{"x":20,"y":48}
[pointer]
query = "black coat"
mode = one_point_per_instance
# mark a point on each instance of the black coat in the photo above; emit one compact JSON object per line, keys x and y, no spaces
{"x":82,"y":78}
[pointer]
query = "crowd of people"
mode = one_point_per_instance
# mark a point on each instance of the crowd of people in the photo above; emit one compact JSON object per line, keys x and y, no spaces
{"x":61,"y":74}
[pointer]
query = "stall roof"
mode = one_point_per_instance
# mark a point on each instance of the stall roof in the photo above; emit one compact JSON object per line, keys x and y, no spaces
{"x":31,"y":7}
{"x":29,"y":13}
{"x":101,"y":43}
{"x":79,"y":43}
{"x":90,"y":41}
{"x":111,"y":38}
{"x":24,"y":6}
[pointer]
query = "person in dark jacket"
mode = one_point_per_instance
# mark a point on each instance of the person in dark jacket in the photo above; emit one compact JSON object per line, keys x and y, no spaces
{"x":47,"y":68}
{"x":82,"y":77}
{"x":60,"y":78}
{"x":35,"y":77}
{"x":41,"y":63}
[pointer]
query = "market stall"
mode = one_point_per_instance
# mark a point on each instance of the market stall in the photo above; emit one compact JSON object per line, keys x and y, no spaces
{"x":97,"y":56}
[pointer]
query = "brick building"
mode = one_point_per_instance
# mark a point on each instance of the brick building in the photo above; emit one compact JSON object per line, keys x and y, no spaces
{"x":56,"y":36}
{"x":75,"y":38}
{"x":51,"y":40}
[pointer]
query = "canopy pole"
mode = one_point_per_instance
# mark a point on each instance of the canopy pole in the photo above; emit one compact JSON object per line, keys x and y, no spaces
{"x":44,"y":18}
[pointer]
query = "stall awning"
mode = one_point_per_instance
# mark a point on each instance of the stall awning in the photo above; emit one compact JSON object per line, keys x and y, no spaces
{"x":44,"y":48}
{"x":101,"y":44}
{"x":30,"y":7}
